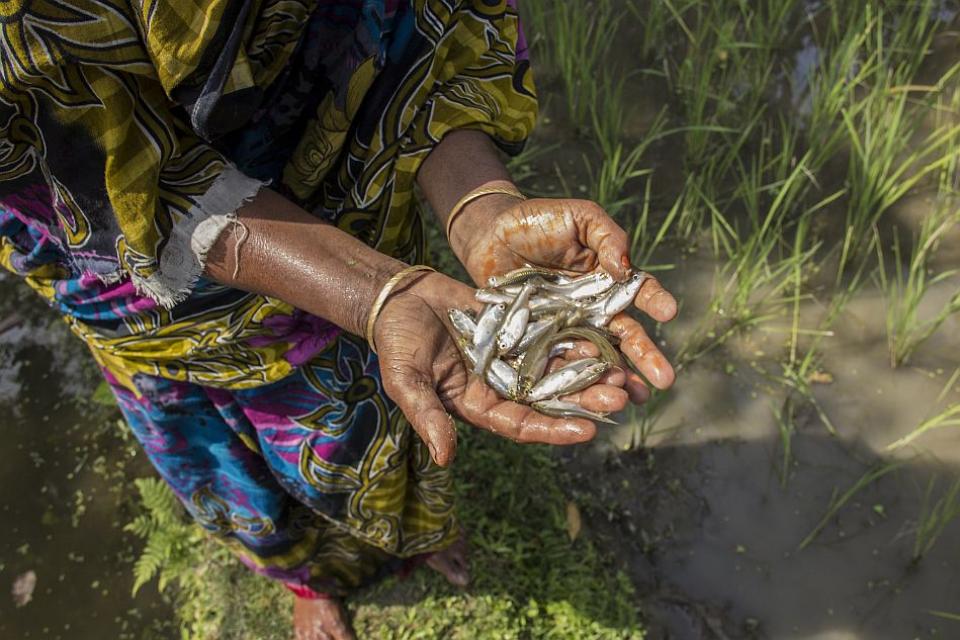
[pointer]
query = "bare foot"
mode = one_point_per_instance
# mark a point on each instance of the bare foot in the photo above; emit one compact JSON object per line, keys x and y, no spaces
{"x":322,"y":619}
{"x":452,"y":563}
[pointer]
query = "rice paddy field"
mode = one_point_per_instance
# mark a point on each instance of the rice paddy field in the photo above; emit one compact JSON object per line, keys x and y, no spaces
{"x":790,"y":169}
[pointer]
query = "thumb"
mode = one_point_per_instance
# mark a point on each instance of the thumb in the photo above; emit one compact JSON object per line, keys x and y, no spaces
{"x":417,"y":399}
{"x":606,"y":238}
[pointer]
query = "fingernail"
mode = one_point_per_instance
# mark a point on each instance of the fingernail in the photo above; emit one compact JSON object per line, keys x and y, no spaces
{"x":625,"y":261}
{"x":433,"y":451}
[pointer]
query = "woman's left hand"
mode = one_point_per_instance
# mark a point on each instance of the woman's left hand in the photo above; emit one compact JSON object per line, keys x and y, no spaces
{"x":572,"y":235}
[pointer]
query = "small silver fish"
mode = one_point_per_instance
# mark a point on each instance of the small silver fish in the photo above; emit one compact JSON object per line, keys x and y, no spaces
{"x":621,"y":296}
{"x":518,"y":315}
{"x":502,"y":378}
{"x":463,"y":322}
{"x":586,"y":286}
{"x":575,"y":376}
{"x":485,"y":337}
{"x":562,"y":409}
{"x":489,"y":323}
{"x":493,"y":296}
{"x":535,"y":358}
{"x":522,"y":275}
{"x":560,"y":347}
{"x":549,"y":303}
{"x":533,"y":331}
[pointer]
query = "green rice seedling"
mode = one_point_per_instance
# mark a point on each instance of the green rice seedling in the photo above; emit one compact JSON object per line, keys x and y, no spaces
{"x":608,"y":113}
{"x":767,"y":22}
{"x":841,"y":71}
{"x":618,"y":166}
{"x":946,"y":615}
{"x":527,"y":164}
{"x":934,"y":517}
{"x":580,"y":40}
{"x":607,"y":185}
{"x":910,"y":28}
{"x":882,"y":167}
{"x":838,"y":501}
{"x":786,"y":425}
{"x":643,"y":241}
{"x":948,"y":107}
{"x":862,"y":49}
{"x":753,"y":284}
{"x":799,"y":368}
{"x":949,"y":417}
{"x":725,"y":71}
{"x":655,"y":18}
{"x":711,"y":180}
{"x":907,"y":288}
{"x":644,"y":419}
{"x":535,"y":14}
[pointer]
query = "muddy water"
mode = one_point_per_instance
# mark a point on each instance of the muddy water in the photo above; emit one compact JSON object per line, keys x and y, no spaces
{"x":706,"y":529}
{"x":701,"y":518}
{"x":64,"y":489}
{"x":711,"y":534}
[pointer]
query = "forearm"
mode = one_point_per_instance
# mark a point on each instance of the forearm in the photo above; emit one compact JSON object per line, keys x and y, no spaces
{"x":288,"y":254}
{"x":463,"y":161}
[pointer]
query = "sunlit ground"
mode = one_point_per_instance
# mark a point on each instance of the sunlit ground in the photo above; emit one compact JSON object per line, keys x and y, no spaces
{"x":789,"y":168}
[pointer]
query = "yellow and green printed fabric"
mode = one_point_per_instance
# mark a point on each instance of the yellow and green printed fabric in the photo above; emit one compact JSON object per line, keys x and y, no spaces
{"x":131,"y":132}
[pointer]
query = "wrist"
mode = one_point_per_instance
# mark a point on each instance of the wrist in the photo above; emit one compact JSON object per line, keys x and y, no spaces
{"x":474,"y":225}
{"x":401,"y":282}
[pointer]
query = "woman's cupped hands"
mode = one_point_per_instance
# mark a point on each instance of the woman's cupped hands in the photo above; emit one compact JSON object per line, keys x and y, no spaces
{"x":422,"y":367}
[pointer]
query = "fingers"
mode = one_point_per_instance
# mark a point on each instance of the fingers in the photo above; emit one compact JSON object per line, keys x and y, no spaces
{"x":602,"y":398}
{"x":641,"y":351}
{"x":605,"y":237}
{"x":417,"y":399}
{"x":636,"y":388}
{"x":581,"y":349}
{"x":655,"y":301}
{"x":481,"y":407}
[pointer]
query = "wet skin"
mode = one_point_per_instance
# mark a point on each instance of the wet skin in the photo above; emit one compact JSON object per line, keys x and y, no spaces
{"x":497,"y":233}
{"x":289,"y":254}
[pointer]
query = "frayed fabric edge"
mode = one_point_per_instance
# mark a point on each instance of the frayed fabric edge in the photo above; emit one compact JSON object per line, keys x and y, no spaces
{"x":185,"y":255}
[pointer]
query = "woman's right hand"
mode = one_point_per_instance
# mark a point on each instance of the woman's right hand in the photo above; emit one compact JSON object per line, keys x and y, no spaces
{"x":316,"y":267}
{"x":423,"y":372}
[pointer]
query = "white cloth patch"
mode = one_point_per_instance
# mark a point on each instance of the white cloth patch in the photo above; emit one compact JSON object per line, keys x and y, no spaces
{"x":185,"y":254}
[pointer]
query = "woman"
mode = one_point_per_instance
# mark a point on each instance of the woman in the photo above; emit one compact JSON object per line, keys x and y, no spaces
{"x":215,"y":196}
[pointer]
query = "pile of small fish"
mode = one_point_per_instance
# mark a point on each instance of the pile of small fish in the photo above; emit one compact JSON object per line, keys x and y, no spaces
{"x":533,"y":314}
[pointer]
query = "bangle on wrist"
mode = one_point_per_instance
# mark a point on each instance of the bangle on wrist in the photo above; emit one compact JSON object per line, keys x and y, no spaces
{"x":505,"y":189}
{"x":381,"y":298}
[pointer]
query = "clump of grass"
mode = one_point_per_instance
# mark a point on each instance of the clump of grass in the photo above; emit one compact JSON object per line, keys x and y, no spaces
{"x":786,"y":426}
{"x":753,"y":284}
{"x":935,"y":515}
{"x":580,"y":38}
{"x":530,"y":580}
{"x":882,"y":166}
{"x":643,"y":419}
{"x":644,"y":241}
{"x":907,"y":288}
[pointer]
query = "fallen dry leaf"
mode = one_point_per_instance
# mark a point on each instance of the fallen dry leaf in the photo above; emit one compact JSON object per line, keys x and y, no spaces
{"x":23,"y":588}
{"x":820,"y":377}
{"x":573,"y":520}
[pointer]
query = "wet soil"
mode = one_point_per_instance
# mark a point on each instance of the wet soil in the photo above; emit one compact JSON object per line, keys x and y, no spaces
{"x":710,"y":535}
{"x":703,"y":517}
{"x":65,"y":489}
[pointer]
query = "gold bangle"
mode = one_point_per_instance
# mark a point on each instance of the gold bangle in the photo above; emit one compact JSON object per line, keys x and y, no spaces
{"x":479,"y":193}
{"x":382,"y":298}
